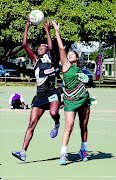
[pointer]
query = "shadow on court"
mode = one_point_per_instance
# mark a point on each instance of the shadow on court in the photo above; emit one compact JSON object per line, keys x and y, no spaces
{"x":50,"y":159}
{"x":74,"y":157}
{"x":100,"y":155}
{"x":91,"y":156}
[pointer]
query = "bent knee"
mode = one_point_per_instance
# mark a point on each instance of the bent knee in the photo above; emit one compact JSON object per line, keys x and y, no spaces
{"x":53,"y":113}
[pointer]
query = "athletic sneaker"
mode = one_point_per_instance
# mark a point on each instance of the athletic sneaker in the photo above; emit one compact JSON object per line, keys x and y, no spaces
{"x":54,"y":131}
{"x":11,"y":107}
{"x":20,"y":155}
{"x":83,"y":155}
{"x":63,"y":157}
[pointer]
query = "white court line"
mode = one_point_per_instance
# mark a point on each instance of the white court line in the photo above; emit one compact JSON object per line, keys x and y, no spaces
{"x":62,"y":118}
{"x":47,"y":131}
{"x":58,"y":176}
{"x":4,"y":99}
{"x":61,"y":110}
{"x":48,"y":115}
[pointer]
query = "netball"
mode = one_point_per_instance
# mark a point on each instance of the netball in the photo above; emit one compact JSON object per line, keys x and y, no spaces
{"x":36,"y":17}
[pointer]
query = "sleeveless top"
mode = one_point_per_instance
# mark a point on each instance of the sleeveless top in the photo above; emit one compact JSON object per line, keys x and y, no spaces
{"x":45,"y":72}
{"x":74,"y":88}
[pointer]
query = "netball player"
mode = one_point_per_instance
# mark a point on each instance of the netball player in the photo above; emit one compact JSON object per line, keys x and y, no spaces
{"x":76,"y":98}
{"x":47,"y":97}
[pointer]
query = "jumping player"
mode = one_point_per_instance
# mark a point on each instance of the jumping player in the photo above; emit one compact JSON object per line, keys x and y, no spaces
{"x":47,"y":97}
{"x":76,"y":98}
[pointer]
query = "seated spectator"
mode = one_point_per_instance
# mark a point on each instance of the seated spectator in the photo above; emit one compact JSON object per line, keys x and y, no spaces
{"x":16,"y":102}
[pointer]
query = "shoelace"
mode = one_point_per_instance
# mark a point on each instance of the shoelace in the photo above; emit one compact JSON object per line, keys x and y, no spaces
{"x":55,"y":129}
{"x":63,"y":157}
{"x":85,"y":153}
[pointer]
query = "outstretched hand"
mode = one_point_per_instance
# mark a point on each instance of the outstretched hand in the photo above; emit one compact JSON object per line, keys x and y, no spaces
{"x":28,"y":21}
{"x":47,"y":24}
{"x":56,"y":27}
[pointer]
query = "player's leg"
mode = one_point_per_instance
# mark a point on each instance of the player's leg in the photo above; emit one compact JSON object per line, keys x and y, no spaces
{"x":83,"y":119}
{"x":54,"y":112}
{"x":13,"y":104}
{"x":69,"y":124}
{"x":35,"y":115}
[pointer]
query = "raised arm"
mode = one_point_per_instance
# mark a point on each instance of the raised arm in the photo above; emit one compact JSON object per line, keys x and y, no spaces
{"x":64,"y":61}
{"x":49,"y":39}
{"x":30,"y":53}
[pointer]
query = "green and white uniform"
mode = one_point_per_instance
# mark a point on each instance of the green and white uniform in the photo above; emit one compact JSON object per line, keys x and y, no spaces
{"x":75,"y":94}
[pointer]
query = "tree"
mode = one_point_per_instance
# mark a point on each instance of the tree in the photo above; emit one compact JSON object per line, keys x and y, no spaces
{"x":109,"y":53}
{"x":94,"y":56}
{"x":80,"y":21}
{"x":13,"y":19}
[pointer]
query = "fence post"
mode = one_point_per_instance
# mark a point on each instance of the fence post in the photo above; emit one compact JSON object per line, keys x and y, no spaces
{"x":99,"y":83}
{"x":29,"y":81}
{"x":5,"y":81}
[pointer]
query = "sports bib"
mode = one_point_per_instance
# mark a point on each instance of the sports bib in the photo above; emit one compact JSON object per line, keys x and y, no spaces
{"x":54,"y":97}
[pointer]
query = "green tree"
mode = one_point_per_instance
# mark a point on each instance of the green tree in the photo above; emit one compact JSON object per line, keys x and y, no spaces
{"x":108,"y":53}
{"x":94,"y":56}
{"x":80,"y":21}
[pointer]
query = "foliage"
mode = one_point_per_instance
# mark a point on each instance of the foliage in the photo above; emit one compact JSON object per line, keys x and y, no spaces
{"x":79,"y":21}
{"x":2,"y":51}
{"x":108,"y":53}
{"x":22,"y":53}
{"x":94,"y":56}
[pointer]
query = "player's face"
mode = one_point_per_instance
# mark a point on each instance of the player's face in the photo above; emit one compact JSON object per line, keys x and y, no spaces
{"x":42,"y":49}
{"x":71,"y":56}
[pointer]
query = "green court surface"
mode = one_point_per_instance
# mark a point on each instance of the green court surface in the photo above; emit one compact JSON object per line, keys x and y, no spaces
{"x":43,"y":152}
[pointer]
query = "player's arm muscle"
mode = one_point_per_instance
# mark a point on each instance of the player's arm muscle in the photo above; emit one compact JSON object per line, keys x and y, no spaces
{"x":65,"y":63}
{"x":30,"y":53}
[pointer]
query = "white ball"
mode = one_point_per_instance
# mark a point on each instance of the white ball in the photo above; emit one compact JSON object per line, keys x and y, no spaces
{"x":36,"y":17}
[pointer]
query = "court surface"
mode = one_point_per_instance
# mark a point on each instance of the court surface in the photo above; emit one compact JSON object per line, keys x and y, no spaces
{"x":43,"y":152}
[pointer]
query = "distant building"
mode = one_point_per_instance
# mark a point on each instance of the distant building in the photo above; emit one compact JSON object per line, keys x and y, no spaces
{"x":85,"y":49}
{"x":108,"y":67}
{"x":22,"y":61}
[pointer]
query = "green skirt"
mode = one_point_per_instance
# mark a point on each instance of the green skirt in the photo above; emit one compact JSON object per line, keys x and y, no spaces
{"x":76,"y":104}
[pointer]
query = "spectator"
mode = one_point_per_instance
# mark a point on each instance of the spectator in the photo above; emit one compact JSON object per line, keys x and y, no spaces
{"x":16,"y":102}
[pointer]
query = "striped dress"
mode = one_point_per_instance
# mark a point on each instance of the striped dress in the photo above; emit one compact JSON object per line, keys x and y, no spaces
{"x":75,"y":93}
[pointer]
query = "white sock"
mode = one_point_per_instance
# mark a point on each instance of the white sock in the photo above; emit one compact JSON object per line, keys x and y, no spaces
{"x":83,"y":146}
{"x":23,"y":150}
{"x":64,"y":149}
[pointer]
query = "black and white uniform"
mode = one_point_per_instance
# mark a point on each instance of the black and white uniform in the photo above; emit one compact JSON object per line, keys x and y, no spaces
{"x":45,"y":72}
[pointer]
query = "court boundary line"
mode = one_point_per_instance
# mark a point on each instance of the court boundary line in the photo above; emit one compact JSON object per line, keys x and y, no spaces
{"x":57,"y":176}
{"x":60,"y":131}
{"x":19,"y":110}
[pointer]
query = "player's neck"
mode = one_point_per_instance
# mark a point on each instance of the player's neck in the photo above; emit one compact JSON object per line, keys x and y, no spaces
{"x":75,"y":63}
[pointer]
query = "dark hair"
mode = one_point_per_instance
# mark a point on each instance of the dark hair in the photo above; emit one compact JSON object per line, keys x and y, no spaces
{"x":78,"y":62}
{"x":76,"y":54}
